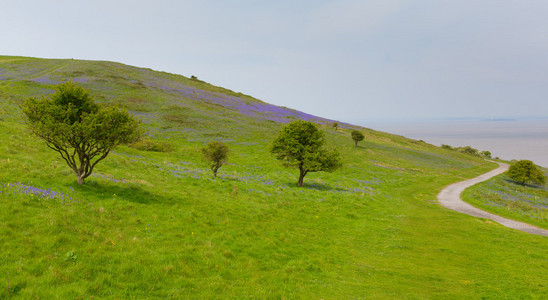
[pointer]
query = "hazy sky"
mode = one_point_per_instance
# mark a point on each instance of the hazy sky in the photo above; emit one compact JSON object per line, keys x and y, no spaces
{"x":342,"y":59}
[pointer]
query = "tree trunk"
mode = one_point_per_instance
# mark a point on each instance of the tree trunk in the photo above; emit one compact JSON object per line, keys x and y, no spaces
{"x":356,"y":143}
{"x":302,"y":173}
{"x":301,"y":179}
{"x":80,"y":178}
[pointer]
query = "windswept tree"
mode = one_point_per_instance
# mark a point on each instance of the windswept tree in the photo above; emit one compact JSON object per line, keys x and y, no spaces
{"x":336,"y":126}
{"x":80,"y":130}
{"x":525,"y":171}
{"x":357,"y":137}
{"x":216,"y":153}
{"x":300,"y":144}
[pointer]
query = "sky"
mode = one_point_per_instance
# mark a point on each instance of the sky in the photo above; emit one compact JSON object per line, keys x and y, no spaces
{"x":348,"y":60}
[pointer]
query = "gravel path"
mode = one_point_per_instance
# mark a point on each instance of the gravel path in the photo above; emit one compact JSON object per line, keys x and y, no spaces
{"x":450,"y":198}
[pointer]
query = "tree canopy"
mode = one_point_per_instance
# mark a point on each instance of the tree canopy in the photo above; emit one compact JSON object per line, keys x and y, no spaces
{"x":486,"y":154}
{"x":357,"y":136}
{"x":300,"y":144}
{"x":216,"y":153}
{"x":80,"y":130}
{"x":525,"y":171}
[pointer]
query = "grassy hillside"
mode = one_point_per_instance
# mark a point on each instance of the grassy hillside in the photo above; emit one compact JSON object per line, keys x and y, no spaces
{"x":501,"y":195}
{"x":155,"y":224}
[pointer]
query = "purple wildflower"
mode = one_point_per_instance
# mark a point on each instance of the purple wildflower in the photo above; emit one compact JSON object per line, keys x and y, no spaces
{"x":25,"y":189}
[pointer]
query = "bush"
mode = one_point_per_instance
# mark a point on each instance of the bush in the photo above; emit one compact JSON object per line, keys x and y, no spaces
{"x":468,"y":150}
{"x":525,"y":171}
{"x":447,"y":147}
{"x":146,"y":144}
{"x":486,"y":154}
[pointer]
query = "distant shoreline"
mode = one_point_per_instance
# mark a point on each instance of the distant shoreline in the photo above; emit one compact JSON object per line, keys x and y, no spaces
{"x":506,"y":138}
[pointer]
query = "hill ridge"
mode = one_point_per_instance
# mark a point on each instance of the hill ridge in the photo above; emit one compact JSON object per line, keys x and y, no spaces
{"x":179,"y":85}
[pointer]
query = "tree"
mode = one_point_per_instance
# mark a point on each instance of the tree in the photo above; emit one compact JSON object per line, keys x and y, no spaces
{"x":525,"y":171}
{"x":357,"y":136}
{"x":216,"y":153}
{"x":486,"y":154}
{"x":300,"y":144}
{"x":336,"y":126}
{"x":81,"y":131}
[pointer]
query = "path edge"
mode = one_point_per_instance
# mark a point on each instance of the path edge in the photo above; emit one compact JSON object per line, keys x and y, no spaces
{"x":450,"y":197}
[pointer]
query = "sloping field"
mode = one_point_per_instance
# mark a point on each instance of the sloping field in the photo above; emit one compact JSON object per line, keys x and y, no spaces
{"x":500,"y":195}
{"x":156,"y":225}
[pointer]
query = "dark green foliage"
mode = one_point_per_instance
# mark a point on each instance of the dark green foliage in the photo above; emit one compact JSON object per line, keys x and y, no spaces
{"x":486,"y":154}
{"x":336,"y":126}
{"x":72,"y":124}
{"x":357,"y":137}
{"x":525,"y":171}
{"x":216,"y":153}
{"x":300,"y":144}
{"x":444,"y":146}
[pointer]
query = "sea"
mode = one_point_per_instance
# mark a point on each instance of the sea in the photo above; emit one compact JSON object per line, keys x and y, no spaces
{"x":505,"y":138}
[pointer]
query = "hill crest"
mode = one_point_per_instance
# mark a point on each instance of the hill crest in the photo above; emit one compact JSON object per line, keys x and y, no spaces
{"x":103,"y":75}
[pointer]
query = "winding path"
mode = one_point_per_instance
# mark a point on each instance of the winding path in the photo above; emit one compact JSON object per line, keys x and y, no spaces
{"x":450,"y":198}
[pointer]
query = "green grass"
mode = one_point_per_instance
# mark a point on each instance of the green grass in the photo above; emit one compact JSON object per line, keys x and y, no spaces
{"x":501,"y":195}
{"x":156,"y":225}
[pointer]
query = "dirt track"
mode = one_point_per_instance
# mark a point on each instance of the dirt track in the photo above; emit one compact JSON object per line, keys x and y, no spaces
{"x":450,"y":198}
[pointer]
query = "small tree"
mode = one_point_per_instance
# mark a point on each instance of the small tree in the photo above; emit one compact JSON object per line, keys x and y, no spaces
{"x":525,"y":171}
{"x":300,"y":144}
{"x":80,"y":130}
{"x":336,"y":126}
{"x":357,"y":136}
{"x":486,"y":154}
{"x":216,"y":153}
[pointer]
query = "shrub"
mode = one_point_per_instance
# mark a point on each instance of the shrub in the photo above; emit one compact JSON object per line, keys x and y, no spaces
{"x":525,"y":171}
{"x":216,"y":153}
{"x":486,"y":154}
{"x":468,"y":150}
{"x":447,"y":147}
{"x":145,"y":144}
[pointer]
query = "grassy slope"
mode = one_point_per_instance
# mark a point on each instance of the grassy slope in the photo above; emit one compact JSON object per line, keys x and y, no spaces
{"x":156,"y":224}
{"x":502,"y":196}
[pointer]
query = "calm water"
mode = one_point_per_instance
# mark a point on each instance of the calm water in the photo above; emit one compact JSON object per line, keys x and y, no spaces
{"x":520,"y":139}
